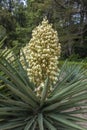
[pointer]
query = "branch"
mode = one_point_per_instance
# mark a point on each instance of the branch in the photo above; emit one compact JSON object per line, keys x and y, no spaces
{"x":56,"y":1}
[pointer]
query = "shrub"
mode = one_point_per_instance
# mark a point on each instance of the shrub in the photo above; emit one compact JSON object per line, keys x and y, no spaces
{"x":23,"y":109}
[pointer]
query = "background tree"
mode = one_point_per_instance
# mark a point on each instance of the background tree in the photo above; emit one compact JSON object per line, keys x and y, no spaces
{"x":13,"y":20}
{"x":69,"y":18}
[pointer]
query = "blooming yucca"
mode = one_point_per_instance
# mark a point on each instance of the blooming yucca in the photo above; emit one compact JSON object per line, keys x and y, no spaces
{"x":42,"y":53}
{"x":22,"y":108}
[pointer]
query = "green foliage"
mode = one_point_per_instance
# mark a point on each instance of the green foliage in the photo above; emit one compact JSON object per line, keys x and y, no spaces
{"x":71,"y":63}
{"x":13,"y":21}
{"x":68,"y":17}
{"x":74,"y":57}
{"x":23,"y":110}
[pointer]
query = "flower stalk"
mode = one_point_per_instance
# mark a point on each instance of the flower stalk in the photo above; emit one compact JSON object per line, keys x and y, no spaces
{"x":42,"y":54}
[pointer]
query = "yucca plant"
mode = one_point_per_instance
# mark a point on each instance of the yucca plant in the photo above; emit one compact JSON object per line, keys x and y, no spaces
{"x":8,"y":54}
{"x":47,"y":103}
{"x":3,"y":88}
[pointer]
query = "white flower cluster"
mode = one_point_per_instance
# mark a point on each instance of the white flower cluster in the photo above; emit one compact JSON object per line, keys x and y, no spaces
{"x":42,"y":54}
